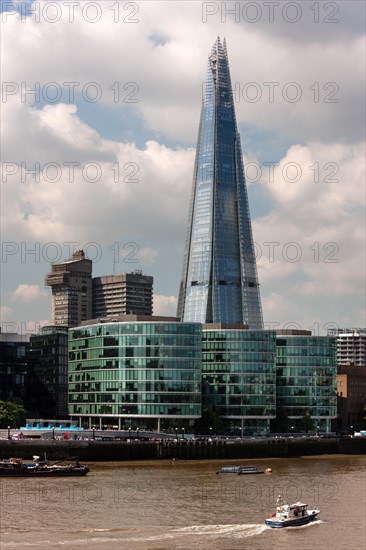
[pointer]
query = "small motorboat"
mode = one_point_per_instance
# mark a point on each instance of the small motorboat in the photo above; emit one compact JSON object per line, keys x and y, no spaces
{"x":241,"y":470}
{"x":291,"y":515}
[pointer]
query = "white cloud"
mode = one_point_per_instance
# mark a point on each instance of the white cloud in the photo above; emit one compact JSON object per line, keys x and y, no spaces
{"x":165,"y":305}
{"x":148,"y":254}
{"x":315,"y":255}
{"x":147,"y":185}
{"x":170,"y":77}
{"x":281,"y":312}
{"x":317,"y":213}
{"x":28,"y":293}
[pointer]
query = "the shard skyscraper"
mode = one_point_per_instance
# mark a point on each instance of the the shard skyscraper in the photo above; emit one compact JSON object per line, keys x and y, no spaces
{"x":219,"y":281}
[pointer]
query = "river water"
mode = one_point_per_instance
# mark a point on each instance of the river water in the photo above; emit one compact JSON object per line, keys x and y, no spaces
{"x":184,"y":505}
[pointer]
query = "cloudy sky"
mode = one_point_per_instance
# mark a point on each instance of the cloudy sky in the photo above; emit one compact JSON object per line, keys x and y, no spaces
{"x":99,"y":113}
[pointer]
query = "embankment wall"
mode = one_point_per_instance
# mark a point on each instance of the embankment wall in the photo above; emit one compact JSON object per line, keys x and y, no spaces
{"x":104,"y":451}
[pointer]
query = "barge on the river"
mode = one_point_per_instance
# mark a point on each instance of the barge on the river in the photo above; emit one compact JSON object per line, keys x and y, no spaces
{"x":17,"y":467}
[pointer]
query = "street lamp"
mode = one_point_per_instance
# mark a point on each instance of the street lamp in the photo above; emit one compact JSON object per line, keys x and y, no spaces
{"x":317,"y":429}
{"x":210,"y":433}
{"x":292,"y":431}
{"x":183,"y":432}
{"x":9,"y":432}
{"x":176,"y":433}
{"x":129,"y":432}
{"x":93,"y":432}
{"x":137,"y":433}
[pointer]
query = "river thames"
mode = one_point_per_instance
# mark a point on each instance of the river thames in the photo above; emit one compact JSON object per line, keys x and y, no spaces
{"x":168,"y":505}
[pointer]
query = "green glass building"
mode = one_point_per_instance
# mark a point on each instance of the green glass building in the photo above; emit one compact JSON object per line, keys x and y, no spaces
{"x":238,"y":377}
{"x":306,"y":372}
{"x":145,"y":371}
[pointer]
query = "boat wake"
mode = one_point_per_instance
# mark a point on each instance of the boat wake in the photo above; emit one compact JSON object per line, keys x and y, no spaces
{"x":103,"y":530}
{"x":113,"y":536}
{"x":245,"y":530}
{"x":237,"y":531}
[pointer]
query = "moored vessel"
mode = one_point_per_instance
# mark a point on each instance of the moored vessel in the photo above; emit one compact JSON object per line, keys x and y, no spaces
{"x":17,"y":467}
{"x":241,"y":470}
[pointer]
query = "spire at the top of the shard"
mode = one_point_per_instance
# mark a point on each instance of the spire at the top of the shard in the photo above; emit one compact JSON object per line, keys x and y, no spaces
{"x":218,"y":54}
{"x":220,"y":71}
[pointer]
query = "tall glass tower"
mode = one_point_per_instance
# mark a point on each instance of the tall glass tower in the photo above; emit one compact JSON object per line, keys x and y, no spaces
{"x":219,"y":281}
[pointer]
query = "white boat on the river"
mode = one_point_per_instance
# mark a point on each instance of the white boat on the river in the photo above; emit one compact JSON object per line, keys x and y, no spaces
{"x":291,"y":515}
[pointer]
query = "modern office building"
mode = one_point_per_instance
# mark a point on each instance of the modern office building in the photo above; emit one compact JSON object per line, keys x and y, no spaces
{"x":306,"y":378}
{"x":123,"y":294}
{"x":13,"y":366}
{"x":239,"y":377}
{"x":71,"y":283}
{"x":351,"y":346}
{"x":219,"y":280}
{"x":48,"y":356}
{"x":136,"y":372}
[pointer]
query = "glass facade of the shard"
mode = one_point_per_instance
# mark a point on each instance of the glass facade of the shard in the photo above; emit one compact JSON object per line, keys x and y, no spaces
{"x":219,"y":281}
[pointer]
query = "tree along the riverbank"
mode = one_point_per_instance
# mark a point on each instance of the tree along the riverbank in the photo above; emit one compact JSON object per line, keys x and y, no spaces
{"x":11,"y":414}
